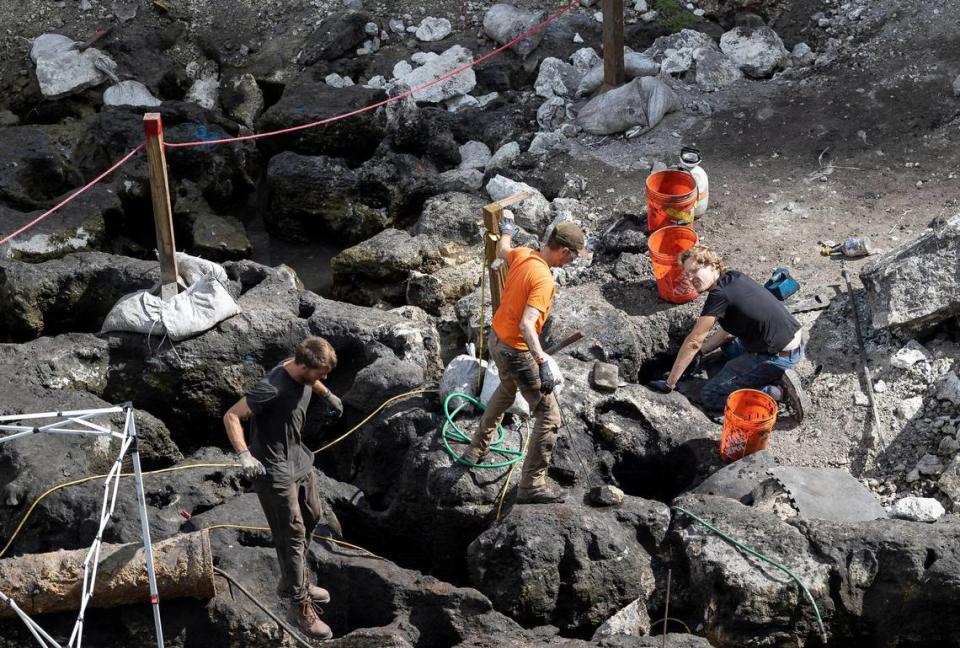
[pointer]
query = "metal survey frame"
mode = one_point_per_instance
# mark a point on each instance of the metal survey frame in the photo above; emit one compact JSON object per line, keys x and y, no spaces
{"x":76,"y":422}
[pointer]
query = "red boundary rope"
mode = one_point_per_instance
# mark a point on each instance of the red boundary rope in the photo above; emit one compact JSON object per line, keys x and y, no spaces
{"x":384,"y":102}
{"x":292,"y":129}
{"x":73,"y":195}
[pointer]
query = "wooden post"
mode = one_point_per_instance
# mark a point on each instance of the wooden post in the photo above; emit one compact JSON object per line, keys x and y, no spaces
{"x":492,"y":214}
{"x":160,"y":195}
{"x":613,"y":74}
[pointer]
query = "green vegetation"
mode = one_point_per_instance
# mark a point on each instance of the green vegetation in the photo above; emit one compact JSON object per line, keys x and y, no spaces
{"x":672,"y":16}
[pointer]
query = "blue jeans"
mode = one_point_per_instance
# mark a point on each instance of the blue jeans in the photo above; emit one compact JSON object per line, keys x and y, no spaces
{"x":745,"y":370}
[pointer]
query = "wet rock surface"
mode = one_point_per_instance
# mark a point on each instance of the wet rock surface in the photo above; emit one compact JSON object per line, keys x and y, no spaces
{"x":396,"y":194}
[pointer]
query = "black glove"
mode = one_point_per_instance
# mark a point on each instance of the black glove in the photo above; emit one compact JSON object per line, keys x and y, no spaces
{"x":547,"y":380}
{"x":336,"y":405}
{"x":660,"y":386}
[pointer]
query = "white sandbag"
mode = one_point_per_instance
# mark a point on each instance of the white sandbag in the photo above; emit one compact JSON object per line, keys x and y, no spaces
{"x":491,"y":380}
{"x":634,"y":65}
{"x":642,"y":102}
{"x":460,"y":376}
{"x":191,"y":269}
{"x":199,"y":308}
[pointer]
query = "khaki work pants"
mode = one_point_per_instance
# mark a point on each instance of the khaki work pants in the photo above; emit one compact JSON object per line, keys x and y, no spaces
{"x":518,"y":370}
{"x":292,"y":513}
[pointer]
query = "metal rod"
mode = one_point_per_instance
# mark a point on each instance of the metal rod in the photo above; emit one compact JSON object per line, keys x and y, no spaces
{"x":869,"y":439}
{"x":666,"y":608}
{"x":67,"y":414}
{"x":131,"y":429}
{"x":256,"y":601}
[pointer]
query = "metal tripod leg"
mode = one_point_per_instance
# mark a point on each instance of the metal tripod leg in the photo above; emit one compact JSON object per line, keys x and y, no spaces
{"x":131,"y":429}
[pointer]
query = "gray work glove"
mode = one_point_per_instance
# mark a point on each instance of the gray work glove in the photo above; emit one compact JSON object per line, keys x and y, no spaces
{"x":336,"y":405}
{"x":547,"y":380}
{"x":250,"y":465}
{"x":508,"y":226}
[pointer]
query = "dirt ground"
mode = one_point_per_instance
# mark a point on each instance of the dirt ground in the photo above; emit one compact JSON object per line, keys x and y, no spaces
{"x":861,"y":144}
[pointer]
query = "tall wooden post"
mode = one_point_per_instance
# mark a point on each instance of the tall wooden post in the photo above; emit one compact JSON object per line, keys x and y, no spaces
{"x":613,"y":74}
{"x":160,"y":195}
{"x":492,"y":214}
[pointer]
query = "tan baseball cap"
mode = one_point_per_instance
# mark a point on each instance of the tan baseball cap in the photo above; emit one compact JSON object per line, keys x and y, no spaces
{"x":569,"y":234}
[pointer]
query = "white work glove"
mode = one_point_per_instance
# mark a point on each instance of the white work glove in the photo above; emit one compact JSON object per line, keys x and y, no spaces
{"x":508,"y":226}
{"x":250,"y":465}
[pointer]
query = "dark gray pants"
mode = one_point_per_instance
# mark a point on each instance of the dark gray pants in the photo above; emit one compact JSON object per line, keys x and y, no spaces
{"x":292,"y":513}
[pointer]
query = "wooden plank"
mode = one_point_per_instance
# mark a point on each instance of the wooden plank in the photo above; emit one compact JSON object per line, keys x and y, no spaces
{"x":613,"y":73}
{"x":160,"y":196}
{"x":492,"y":214}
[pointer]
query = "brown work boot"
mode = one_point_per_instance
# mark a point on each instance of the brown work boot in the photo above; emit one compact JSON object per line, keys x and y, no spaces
{"x":540,"y":495}
{"x":473,"y":454}
{"x":794,"y":396}
{"x":316,"y":593}
{"x":304,"y":615}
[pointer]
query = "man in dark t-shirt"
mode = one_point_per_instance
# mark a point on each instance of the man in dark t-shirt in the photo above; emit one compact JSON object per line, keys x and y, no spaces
{"x":761,"y":340}
{"x":282,"y":467}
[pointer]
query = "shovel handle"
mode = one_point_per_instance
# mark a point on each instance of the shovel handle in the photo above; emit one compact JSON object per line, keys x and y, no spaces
{"x":564,"y":343}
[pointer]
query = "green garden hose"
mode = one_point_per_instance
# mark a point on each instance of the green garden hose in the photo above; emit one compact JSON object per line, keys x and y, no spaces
{"x":450,"y":432}
{"x":754,"y":552}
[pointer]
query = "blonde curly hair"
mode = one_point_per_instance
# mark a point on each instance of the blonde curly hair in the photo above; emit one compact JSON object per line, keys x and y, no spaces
{"x":703,"y":255}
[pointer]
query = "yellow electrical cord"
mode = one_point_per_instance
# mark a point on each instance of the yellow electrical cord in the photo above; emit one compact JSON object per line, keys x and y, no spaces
{"x":372,"y":414}
{"x":84,"y":480}
{"x":506,"y":484}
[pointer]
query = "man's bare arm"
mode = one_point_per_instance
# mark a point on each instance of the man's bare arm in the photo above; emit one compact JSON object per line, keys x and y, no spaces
{"x":232,"y":422}
{"x":528,"y":329}
{"x":691,"y":345}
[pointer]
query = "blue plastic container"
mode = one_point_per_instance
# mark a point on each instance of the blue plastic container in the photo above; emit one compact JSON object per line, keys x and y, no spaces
{"x":781,"y":284}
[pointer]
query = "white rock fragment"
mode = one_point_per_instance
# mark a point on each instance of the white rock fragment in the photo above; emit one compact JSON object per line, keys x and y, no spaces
{"x":910,"y":407}
{"x":129,"y":93}
{"x":504,"y":156}
{"x":909,"y":355}
{"x":334,"y":80}
{"x":434,"y":66}
{"x":917,"y":509}
{"x":433,"y":29}
{"x":474,"y":155}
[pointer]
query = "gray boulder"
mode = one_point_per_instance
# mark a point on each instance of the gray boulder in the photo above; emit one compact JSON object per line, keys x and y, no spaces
{"x":219,"y":238}
{"x":741,"y":600}
{"x":307,"y":100}
{"x":34,"y":168}
{"x":374,"y":270}
{"x":676,"y":53}
{"x":556,"y":79}
{"x":913,"y":287}
{"x":433,"y":66}
{"x":318,"y":196}
{"x":715,"y":70}
{"x":62,"y":69}
{"x":554,"y":113}
{"x":79,"y":226}
{"x":533,"y":213}
{"x":504,"y":22}
{"x":474,"y":155}
{"x":452,"y":217}
{"x":73,"y":293}
{"x":758,"y":51}
{"x":567,"y":565}
{"x":339,"y":33}
{"x":504,"y":156}
{"x":242,"y":99}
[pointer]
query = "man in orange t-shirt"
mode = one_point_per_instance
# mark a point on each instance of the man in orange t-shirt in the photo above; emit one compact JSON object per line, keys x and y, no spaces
{"x":515,"y":347}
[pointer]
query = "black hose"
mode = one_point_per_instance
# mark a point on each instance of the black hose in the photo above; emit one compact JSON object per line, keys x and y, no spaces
{"x":283,"y":624}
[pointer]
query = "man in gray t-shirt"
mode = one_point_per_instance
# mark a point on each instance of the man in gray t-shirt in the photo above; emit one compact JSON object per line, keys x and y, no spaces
{"x":282,"y":467}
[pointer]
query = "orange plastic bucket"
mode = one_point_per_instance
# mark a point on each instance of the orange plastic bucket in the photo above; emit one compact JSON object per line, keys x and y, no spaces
{"x":748,"y":419}
{"x":665,"y":245}
{"x":671,"y":197}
